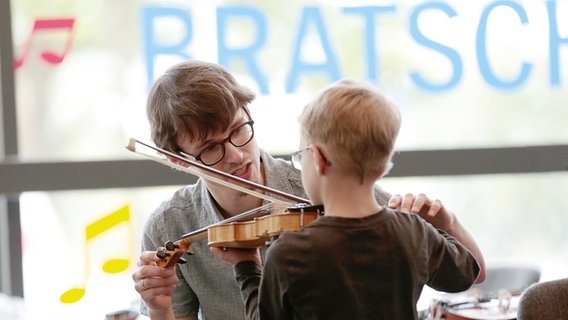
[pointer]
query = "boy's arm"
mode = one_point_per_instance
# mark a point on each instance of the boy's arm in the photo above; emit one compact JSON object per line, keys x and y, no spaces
{"x":438,"y":216}
{"x":247,"y":266}
{"x":248,"y":274}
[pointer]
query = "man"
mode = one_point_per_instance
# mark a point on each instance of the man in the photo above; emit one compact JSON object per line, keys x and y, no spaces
{"x":198,"y":109}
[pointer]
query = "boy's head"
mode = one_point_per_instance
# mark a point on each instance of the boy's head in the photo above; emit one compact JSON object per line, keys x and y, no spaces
{"x":356,"y":124}
{"x":192,"y":100}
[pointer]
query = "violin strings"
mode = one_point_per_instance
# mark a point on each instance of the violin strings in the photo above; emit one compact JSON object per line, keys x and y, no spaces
{"x":256,"y":212}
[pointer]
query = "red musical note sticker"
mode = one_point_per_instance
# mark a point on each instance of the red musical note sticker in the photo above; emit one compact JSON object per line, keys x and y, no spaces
{"x":48,"y":25}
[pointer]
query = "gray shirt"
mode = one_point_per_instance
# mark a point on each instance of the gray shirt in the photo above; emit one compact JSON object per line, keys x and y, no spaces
{"x":206,"y":283}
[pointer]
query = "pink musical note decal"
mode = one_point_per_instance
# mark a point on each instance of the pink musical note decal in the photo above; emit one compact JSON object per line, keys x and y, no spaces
{"x":48,"y":25}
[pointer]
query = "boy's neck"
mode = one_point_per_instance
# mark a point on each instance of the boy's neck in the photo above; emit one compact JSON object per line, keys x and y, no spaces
{"x":350,"y":200}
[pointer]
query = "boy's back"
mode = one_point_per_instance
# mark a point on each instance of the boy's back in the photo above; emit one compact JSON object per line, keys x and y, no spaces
{"x":364,"y":268}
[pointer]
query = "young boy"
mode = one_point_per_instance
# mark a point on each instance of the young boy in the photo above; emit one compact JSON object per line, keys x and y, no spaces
{"x":361,"y":260}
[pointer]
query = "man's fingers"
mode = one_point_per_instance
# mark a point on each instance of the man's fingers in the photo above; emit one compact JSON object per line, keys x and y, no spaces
{"x":394,"y":201}
{"x":435,"y":207}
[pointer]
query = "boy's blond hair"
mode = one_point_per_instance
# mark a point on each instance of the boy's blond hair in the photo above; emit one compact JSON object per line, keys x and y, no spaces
{"x":357,"y":124}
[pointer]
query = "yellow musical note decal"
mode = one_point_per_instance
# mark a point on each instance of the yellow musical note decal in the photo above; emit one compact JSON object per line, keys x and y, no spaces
{"x":114,"y":265}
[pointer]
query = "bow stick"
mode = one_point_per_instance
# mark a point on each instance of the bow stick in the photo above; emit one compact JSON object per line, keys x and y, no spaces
{"x":212,"y":174}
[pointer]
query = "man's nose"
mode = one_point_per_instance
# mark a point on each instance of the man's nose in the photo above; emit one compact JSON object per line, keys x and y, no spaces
{"x":232,"y":153}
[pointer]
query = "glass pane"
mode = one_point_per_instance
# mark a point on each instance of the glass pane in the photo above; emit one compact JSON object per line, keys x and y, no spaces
{"x":515,"y":218}
{"x":80,"y":249}
{"x":495,"y":80}
{"x":69,"y":236}
{"x":455,"y":69}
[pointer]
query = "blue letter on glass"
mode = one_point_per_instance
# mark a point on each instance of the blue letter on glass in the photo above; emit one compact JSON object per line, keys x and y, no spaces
{"x":247,"y":54}
{"x":312,"y":15}
{"x":368,"y":13}
{"x":555,"y":42}
{"x":151,"y":47}
{"x":484,"y":67}
{"x":452,"y":54}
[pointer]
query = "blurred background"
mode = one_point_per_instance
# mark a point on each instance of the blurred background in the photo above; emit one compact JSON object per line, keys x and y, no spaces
{"x":482,"y":87}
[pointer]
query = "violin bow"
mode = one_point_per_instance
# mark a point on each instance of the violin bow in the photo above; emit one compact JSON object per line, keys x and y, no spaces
{"x":212,"y":174}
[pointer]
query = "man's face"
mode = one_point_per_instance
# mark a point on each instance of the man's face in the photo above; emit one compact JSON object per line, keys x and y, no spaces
{"x":243,"y":161}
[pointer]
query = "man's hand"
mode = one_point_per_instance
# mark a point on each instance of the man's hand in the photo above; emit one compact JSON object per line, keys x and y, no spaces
{"x":432,"y":211}
{"x":155,"y":285}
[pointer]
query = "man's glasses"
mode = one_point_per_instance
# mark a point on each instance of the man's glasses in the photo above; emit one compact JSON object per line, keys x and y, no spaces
{"x":239,"y":137}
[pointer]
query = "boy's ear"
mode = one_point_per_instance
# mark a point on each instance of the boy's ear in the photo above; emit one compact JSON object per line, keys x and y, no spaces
{"x":319,"y":162}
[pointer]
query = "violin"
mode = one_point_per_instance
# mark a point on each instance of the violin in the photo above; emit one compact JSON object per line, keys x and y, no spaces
{"x":241,"y":234}
{"x":251,"y":229}
{"x":255,"y":233}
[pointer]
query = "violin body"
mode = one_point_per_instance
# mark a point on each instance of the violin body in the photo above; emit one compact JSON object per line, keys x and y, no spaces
{"x":234,"y":233}
{"x":255,"y":234}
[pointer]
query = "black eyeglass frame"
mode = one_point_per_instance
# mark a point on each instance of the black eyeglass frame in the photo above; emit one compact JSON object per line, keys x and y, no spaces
{"x":222,"y":144}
